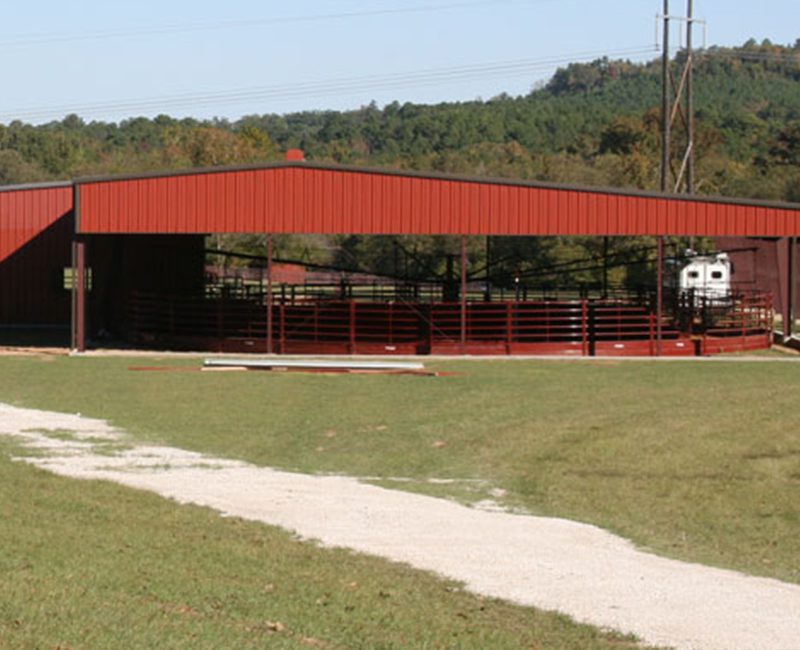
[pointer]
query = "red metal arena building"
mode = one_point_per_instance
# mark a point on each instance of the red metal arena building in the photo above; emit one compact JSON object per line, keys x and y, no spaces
{"x":125,"y":256}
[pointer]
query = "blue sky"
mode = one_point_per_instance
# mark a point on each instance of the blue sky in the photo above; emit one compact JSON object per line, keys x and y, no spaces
{"x":59,"y":56}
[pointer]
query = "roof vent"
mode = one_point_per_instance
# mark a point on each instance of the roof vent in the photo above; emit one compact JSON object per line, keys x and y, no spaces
{"x":295,"y":155}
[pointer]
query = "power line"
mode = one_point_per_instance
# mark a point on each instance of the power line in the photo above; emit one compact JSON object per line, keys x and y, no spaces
{"x":159,"y":30}
{"x":506,"y":69}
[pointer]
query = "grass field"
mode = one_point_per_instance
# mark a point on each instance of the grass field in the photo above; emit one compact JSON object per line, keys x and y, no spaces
{"x":699,"y":461}
{"x":93,"y":565}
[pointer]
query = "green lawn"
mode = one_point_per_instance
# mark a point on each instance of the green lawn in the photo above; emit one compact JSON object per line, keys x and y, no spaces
{"x":699,"y":461}
{"x":94,"y":565}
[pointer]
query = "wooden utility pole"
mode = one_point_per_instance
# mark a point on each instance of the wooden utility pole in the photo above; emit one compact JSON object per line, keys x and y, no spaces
{"x":689,"y":99}
{"x":665,"y":160}
{"x":675,"y":101}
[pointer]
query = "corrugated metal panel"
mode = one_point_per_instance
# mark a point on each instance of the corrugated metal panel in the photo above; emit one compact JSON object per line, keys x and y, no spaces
{"x":312,"y":199}
{"x":36,"y":228}
{"x":759,"y":264}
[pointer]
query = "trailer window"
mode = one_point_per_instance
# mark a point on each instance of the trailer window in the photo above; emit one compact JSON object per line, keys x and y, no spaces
{"x":716,"y":275}
{"x":694,"y":274}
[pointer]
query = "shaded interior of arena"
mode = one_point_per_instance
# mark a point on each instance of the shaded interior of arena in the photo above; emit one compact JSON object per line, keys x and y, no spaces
{"x":161,"y":292}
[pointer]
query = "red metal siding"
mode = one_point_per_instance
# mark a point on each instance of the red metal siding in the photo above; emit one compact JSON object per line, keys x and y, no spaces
{"x":760,"y":264}
{"x":35,"y":235}
{"x":307,"y":199}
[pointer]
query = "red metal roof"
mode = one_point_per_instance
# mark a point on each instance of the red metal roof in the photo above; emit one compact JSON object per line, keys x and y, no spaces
{"x":299,"y":197}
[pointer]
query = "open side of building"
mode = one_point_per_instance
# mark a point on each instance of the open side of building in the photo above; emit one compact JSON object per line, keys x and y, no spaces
{"x":137,"y":257}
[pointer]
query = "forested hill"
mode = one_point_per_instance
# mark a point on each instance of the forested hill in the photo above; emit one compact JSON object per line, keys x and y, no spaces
{"x":594,"y":123}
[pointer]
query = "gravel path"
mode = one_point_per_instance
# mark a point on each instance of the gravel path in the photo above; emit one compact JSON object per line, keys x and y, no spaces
{"x":552,"y":564}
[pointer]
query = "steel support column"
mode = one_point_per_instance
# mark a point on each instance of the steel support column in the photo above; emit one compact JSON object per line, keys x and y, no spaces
{"x":269,"y":293}
{"x":463,"y":294}
{"x":659,"y":294}
{"x":792,"y":284}
{"x":789,"y":284}
{"x":79,"y":295}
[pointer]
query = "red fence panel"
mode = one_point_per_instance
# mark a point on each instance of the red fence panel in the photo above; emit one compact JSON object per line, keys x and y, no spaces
{"x":577,"y":327}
